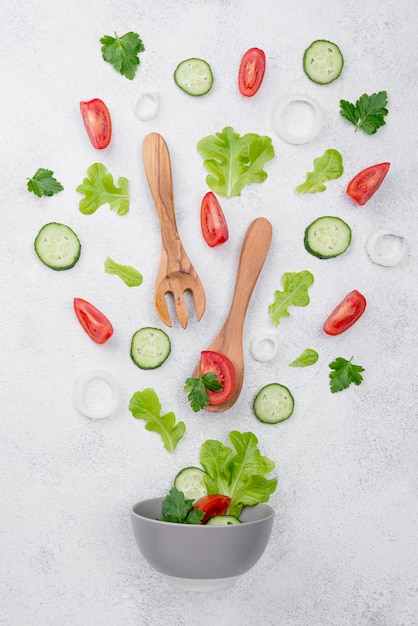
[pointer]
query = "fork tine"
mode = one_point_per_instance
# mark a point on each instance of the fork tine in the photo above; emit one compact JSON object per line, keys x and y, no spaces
{"x":181,"y":308}
{"x":161,"y":307}
{"x":199,"y":299}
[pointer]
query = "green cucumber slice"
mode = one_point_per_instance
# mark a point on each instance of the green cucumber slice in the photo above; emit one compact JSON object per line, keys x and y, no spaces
{"x":57,"y":246}
{"x":323,"y":61}
{"x":150,"y":347}
{"x":194,"y":76}
{"x":223,"y":520}
{"x":191,"y":481}
{"x":273,"y":403}
{"x":327,"y":237}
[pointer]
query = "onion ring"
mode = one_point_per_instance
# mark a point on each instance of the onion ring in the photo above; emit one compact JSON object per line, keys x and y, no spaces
{"x":80,"y":389}
{"x":391,"y":258}
{"x":264,"y":347}
{"x":147,"y":106}
{"x":282,"y":131}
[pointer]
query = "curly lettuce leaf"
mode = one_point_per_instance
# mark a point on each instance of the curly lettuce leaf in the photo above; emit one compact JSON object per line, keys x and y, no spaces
{"x":127,"y":273}
{"x":295,"y":293}
{"x":234,"y":161}
{"x":146,"y":405}
{"x":327,"y":167}
{"x":238,"y":472}
{"x":98,"y":189}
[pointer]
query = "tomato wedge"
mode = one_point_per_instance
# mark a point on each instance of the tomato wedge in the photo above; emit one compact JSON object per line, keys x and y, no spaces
{"x":346,"y":313}
{"x":214,"y":504}
{"x":367,"y":182}
{"x":251,"y":72}
{"x":96,"y":325}
{"x":220,"y":365}
{"x":212,"y":221}
{"x":96,"y":118}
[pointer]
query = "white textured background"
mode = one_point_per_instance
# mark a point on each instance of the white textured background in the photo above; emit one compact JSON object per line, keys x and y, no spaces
{"x":344,"y":547}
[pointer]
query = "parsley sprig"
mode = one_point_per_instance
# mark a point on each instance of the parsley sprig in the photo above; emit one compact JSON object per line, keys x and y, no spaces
{"x":344,"y":373}
{"x":123,"y":52}
{"x":43,"y":183}
{"x":196,"y":388}
{"x":178,"y":510}
{"x":368,"y":113}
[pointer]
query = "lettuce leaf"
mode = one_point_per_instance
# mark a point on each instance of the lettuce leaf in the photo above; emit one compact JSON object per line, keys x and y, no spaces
{"x":326,"y":167}
{"x":127,"y":273}
{"x":239,"y":473}
{"x":98,"y":189}
{"x":234,"y":161}
{"x":295,"y":292}
{"x":146,"y":405}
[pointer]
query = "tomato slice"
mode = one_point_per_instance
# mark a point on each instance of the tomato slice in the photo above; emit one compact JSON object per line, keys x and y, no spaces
{"x":346,"y":313}
{"x":96,"y":325}
{"x":212,"y":221}
{"x":367,"y":182}
{"x":96,"y":118}
{"x":251,"y":72}
{"x":220,"y":365}
{"x":214,"y":504}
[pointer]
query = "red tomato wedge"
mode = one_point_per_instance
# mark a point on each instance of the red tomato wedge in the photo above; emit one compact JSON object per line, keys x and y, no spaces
{"x":251,"y":72}
{"x":212,"y":221}
{"x":346,"y":313}
{"x":220,"y":365}
{"x":367,"y":182}
{"x":96,"y":325}
{"x":96,"y":118}
{"x":212,"y":505}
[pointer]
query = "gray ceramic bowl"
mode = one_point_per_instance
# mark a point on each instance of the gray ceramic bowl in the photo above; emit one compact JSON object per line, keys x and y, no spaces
{"x":201,"y":558}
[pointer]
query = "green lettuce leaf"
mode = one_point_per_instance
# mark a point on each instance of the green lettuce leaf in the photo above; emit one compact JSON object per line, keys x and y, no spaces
{"x":308,"y":357}
{"x":146,"y":405}
{"x":326,"y":167}
{"x":295,"y":292}
{"x":234,"y":161}
{"x":127,"y":273}
{"x":239,"y":473}
{"x":98,"y":189}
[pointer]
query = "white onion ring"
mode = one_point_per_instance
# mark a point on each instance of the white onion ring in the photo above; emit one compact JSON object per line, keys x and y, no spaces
{"x":258,"y":345}
{"x":80,"y":388}
{"x":147,"y":106}
{"x":283,"y":132}
{"x":387,"y":260}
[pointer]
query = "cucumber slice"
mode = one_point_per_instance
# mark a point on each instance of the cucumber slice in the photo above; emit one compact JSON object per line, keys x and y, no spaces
{"x":194,"y":76}
{"x":57,"y":246}
{"x":223,"y":520}
{"x":327,"y":237}
{"x":191,"y":481}
{"x":150,"y":347}
{"x":323,"y":61}
{"x":273,"y":403}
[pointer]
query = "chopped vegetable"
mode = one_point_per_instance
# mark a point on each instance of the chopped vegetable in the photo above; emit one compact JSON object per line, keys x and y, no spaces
{"x":223,"y":520}
{"x":368,"y":113}
{"x":362,"y":187}
{"x":127,"y":273}
{"x":81,"y":386}
{"x":179,"y":510}
{"x":192,"y":482}
{"x":295,"y":293}
{"x":389,"y":256}
{"x":57,"y":246}
{"x":146,"y":405}
{"x":150,"y":348}
{"x":94,"y":323}
{"x":221,"y":366}
{"x":307,"y":358}
{"x":197,"y":389}
{"x":194,"y":76}
{"x":251,"y":72}
{"x":212,"y":221}
{"x":211,"y":505}
{"x":345,"y":314}
{"x":98,"y":189}
{"x":123,"y":52}
{"x":97,"y":122}
{"x":323,"y":61}
{"x":43,"y":183}
{"x":327,"y":167}
{"x":281,"y":127}
{"x":343,"y":374}
{"x":274,"y":403}
{"x":234,"y":161}
{"x":327,"y":237}
{"x":264,"y":347}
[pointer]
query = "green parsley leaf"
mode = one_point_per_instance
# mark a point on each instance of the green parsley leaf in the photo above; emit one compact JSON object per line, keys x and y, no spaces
{"x":368,"y":113}
{"x":308,"y":357}
{"x":127,"y":273}
{"x":123,"y":52}
{"x":43,"y":183}
{"x":98,"y":189}
{"x":234,"y":161}
{"x":146,"y":405}
{"x":196,"y":389}
{"x":178,"y":510}
{"x":295,"y":292}
{"x":344,"y":373}
{"x":327,"y":167}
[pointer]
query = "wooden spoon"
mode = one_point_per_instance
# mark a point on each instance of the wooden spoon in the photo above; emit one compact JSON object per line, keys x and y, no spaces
{"x":229,"y":340}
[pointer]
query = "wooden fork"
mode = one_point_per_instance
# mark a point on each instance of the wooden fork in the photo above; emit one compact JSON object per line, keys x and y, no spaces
{"x":176,"y":274}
